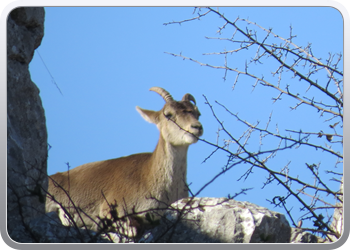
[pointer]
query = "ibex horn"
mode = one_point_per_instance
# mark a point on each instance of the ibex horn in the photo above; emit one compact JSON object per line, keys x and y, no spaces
{"x":163,"y":93}
{"x":189,"y":97}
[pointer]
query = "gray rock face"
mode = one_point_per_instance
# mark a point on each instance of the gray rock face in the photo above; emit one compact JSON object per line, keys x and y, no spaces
{"x":300,"y":236}
{"x":220,"y":220}
{"x":338,"y":219}
{"x":26,"y":125}
{"x":49,"y":229}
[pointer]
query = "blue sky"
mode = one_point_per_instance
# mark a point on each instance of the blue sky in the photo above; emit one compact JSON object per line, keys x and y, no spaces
{"x":104,"y":60}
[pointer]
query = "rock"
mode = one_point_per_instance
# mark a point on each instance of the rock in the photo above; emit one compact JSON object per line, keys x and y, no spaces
{"x":49,"y":229}
{"x":338,"y":221}
{"x":300,"y":236}
{"x":219,"y":220}
{"x":26,"y":123}
{"x":116,"y":238}
{"x":25,"y":30}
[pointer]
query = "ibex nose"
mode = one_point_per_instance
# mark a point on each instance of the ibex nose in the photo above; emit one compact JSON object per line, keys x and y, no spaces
{"x":199,"y":127}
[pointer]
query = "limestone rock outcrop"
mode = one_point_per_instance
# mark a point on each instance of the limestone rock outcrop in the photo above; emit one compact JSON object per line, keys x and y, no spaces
{"x":26,"y":123}
{"x":49,"y":229}
{"x":219,"y":220}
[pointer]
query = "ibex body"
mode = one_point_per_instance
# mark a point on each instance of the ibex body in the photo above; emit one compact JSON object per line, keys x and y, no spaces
{"x":137,"y":182}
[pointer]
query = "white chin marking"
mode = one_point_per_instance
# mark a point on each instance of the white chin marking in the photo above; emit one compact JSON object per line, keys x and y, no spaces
{"x":190,"y":138}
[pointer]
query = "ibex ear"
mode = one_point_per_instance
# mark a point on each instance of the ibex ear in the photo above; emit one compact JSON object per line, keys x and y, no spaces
{"x":149,"y":115}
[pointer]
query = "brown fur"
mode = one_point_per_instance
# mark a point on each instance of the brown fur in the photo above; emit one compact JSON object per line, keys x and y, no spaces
{"x":134,"y":182}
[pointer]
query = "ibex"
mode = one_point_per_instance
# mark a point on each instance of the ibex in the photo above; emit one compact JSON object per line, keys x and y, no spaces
{"x":138,"y":182}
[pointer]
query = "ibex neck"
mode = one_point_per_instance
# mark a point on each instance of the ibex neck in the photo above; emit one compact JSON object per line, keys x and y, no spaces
{"x":166,"y":151}
{"x":170,"y":170}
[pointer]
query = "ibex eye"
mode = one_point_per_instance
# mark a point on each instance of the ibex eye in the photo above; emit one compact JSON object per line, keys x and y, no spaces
{"x":168,"y":115}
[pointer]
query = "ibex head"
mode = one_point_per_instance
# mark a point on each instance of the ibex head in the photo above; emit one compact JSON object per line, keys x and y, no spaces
{"x":177,"y":121}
